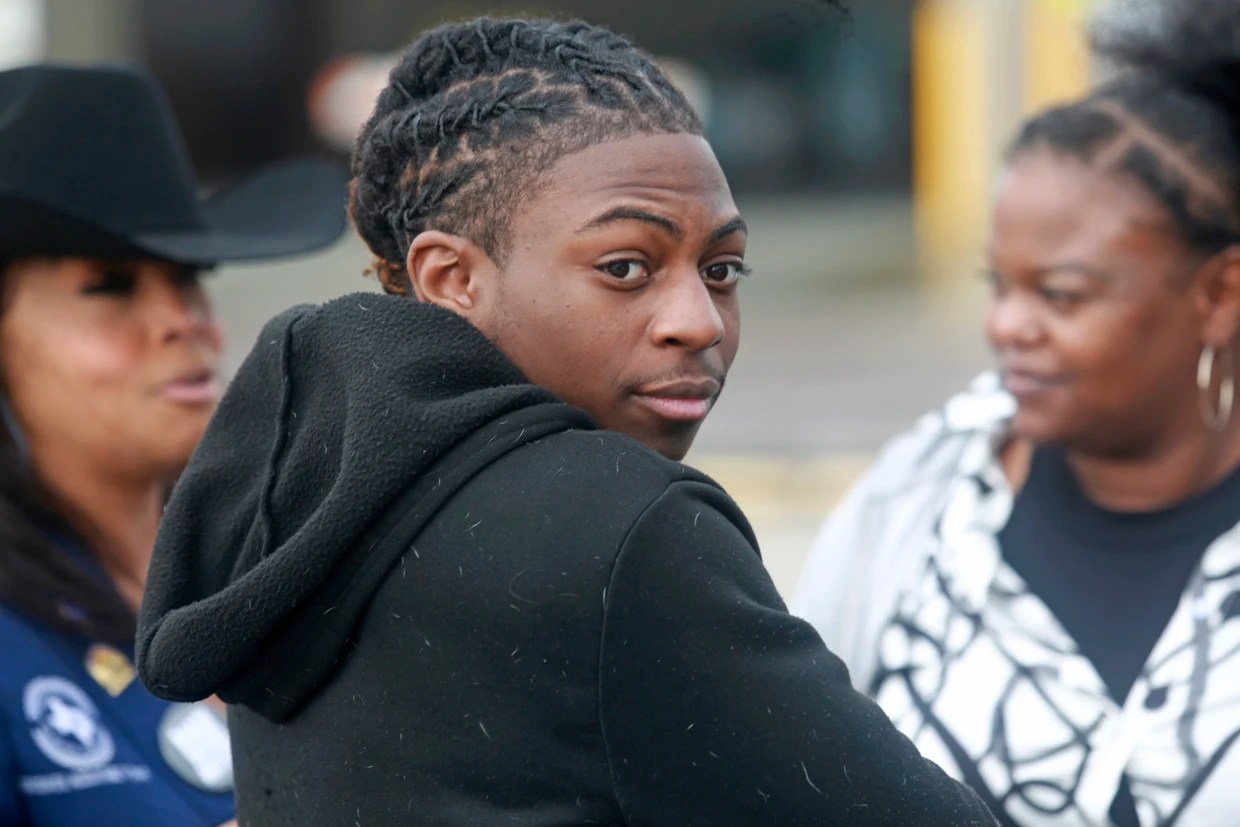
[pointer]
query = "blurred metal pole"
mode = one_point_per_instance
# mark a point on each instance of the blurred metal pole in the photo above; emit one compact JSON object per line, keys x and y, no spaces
{"x":82,"y":31}
{"x":979,"y":66}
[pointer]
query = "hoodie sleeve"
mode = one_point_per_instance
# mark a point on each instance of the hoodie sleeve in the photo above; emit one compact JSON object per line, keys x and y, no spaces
{"x":719,"y":707}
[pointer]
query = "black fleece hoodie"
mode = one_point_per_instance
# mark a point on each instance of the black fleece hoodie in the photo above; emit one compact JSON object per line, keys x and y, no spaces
{"x":436,"y":595}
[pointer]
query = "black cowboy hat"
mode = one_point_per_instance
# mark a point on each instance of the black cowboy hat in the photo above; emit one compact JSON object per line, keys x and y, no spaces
{"x":92,"y":164}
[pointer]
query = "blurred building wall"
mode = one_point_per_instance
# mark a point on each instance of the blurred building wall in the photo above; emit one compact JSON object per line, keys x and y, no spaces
{"x":980,"y":67}
{"x":85,"y":31}
{"x":867,"y":146}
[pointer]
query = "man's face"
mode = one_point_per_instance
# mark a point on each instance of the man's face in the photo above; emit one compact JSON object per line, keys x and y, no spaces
{"x":619,"y":291}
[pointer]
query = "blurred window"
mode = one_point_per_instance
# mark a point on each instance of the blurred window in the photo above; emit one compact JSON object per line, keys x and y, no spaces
{"x":796,"y":97}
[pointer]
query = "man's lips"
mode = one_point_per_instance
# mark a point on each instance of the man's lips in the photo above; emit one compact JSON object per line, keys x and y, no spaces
{"x":685,"y":400}
{"x":194,"y":388}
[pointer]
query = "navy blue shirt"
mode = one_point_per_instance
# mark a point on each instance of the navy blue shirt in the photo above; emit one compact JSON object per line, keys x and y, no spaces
{"x":77,"y":749}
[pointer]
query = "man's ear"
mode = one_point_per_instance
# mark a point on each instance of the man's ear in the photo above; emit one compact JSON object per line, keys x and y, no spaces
{"x":449,"y":270}
{"x":1221,"y":294}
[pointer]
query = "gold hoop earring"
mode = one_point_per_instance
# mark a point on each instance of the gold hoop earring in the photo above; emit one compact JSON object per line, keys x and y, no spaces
{"x":1216,"y":417}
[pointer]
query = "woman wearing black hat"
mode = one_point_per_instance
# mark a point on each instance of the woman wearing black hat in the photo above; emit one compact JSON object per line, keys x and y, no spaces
{"x":108,"y":376}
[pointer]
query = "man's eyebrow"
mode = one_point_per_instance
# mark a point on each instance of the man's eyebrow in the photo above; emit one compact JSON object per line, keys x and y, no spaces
{"x":736,"y":225}
{"x":622,"y":213}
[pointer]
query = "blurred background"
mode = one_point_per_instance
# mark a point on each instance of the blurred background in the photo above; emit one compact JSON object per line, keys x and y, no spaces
{"x":860,"y":149}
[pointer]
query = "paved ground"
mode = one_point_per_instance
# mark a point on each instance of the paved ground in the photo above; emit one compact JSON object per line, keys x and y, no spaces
{"x":827,"y":372}
{"x":817,"y":388}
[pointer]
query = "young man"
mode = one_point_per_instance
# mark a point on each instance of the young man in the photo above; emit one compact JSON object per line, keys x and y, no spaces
{"x":435,"y":592}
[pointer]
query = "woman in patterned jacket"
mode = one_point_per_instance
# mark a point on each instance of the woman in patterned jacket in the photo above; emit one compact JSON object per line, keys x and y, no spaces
{"x":1041,"y":583}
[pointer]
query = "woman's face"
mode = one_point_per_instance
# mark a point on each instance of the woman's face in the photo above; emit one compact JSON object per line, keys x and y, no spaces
{"x":1097,"y":315}
{"x":112,"y":364}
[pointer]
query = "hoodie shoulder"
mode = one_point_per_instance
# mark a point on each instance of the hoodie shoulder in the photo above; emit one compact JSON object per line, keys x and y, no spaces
{"x":601,"y":479}
{"x":619,"y":463}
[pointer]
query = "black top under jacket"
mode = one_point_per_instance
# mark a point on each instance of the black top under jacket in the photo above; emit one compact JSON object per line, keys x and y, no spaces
{"x":436,"y":595}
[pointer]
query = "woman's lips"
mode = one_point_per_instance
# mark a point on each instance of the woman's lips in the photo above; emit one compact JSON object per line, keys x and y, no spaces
{"x":196,"y":390}
{"x":1023,"y":383}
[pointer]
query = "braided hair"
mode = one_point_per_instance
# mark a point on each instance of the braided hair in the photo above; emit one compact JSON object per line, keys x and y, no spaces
{"x":1170,"y":119}
{"x":474,"y":114}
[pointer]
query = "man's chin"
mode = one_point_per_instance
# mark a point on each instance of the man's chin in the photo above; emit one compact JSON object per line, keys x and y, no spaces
{"x":673,"y":445}
{"x":670,"y":438}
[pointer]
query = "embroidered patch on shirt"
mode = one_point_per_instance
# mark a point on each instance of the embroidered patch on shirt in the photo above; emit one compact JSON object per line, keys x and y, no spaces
{"x":65,"y":724}
{"x":110,"y":668}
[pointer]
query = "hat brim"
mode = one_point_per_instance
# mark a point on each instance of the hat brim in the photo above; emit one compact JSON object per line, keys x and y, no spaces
{"x":288,"y":208}
{"x":285,"y":209}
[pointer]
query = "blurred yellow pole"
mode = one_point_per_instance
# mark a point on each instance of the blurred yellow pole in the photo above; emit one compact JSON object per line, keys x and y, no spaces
{"x":951,"y":132}
{"x":1057,"y":66}
{"x":978,"y":67}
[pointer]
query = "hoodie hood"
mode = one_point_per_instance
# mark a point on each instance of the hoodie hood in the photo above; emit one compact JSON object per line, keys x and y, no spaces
{"x":310,"y":482}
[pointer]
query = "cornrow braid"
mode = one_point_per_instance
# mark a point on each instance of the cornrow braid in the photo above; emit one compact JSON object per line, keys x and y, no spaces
{"x":474,"y":113}
{"x":1170,"y":121}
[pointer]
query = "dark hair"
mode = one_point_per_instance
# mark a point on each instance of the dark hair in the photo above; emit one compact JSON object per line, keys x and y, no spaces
{"x":39,"y":577}
{"x":1171,"y":117}
{"x":475,"y":112}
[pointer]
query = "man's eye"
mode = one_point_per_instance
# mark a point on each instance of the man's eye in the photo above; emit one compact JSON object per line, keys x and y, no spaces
{"x":725,"y":272}
{"x":625,"y":269}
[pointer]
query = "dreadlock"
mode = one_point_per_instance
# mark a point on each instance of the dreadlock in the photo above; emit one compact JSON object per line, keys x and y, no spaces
{"x":1170,"y":120}
{"x":475,"y":112}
